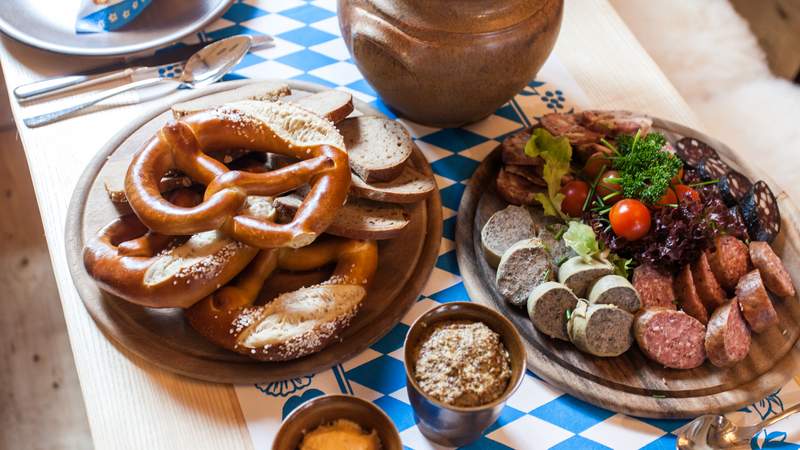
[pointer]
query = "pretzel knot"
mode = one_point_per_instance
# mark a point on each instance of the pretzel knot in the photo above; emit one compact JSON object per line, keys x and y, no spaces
{"x":296,"y":323}
{"x":274,"y":127}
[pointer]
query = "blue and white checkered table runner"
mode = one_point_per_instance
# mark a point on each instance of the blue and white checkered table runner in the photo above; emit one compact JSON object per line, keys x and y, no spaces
{"x":308,"y":46}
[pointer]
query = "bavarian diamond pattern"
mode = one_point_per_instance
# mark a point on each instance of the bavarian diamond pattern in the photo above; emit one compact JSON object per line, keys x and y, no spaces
{"x":308,"y":47}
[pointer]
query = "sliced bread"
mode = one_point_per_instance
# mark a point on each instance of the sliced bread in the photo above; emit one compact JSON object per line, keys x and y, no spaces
{"x":504,"y":229}
{"x":377,"y":147}
{"x":523,"y":266}
{"x":548,"y":307}
{"x":357,"y":219}
{"x":411,"y":186}
{"x":263,"y":91}
{"x":113,"y":176}
{"x":331,"y":104}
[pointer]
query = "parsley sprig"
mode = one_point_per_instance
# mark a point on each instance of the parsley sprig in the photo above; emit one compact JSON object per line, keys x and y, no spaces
{"x":645,"y":169}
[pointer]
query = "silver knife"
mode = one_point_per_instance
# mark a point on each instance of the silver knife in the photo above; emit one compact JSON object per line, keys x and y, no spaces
{"x":58,"y":85}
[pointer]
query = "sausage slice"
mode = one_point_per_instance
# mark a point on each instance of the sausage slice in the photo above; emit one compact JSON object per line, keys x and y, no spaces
{"x":772,"y":270}
{"x":672,"y":338}
{"x":654,"y":287}
{"x":761,"y":213}
{"x":688,"y":298}
{"x":693,"y":152}
{"x":729,"y":261}
{"x":727,"y":336}
{"x":708,"y":287}
{"x":755,"y":303}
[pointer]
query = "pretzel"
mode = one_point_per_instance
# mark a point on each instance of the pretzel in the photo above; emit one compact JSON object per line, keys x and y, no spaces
{"x":297,"y":323}
{"x":257,"y":126}
{"x":147,"y":268}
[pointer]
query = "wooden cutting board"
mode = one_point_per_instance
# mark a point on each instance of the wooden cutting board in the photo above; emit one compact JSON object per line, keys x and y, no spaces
{"x":163,"y":337}
{"x":630,"y":383}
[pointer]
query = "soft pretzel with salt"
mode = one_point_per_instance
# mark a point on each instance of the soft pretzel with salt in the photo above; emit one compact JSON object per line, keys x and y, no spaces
{"x":146,"y":268}
{"x":297,"y":323}
{"x":275,"y":127}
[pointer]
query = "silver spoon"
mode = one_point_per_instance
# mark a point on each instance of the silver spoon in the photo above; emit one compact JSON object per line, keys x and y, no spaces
{"x":713,"y":432}
{"x":206,"y":66}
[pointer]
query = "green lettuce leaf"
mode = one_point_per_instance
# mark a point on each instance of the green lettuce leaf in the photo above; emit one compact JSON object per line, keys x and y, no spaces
{"x":580,"y":237}
{"x":556,"y":153}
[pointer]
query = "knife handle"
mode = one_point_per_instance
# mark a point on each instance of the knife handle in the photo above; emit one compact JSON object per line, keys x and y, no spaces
{"x":52,"y":86}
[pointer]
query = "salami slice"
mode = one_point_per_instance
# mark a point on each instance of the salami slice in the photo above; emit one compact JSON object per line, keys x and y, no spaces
{"x":729,"y":261}
{"x":727,"y":336}
{"x":761,"y":213}
{"x":712,"y":168}
{"x":692,"y":151}
{"x":755,"y":302}
{"x":688,"y":297}
{"x":671,"y":338}
{"x":654,"y":287}
{"x":773,"y":272}
{"x":734,"y":186}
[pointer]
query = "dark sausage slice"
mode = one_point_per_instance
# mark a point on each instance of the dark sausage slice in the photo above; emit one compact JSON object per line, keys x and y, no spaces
{"x":734,"y":186}
{"x":730,"y":261}
{"x":727,"y":336}
{"x":654,"y":287}
{"x":672,"y":338}
{"x":712,"y":168}
{"x":772,"y":270}
{"x":516,"y":190}
{"x":687,"y":295}
{"x":693,"y":152}
{"x":708,"y":287}
{"x":566,"y":125}
{"x":755,"y":303}
{"x":761,"y":213}
{"x":512,"y":150}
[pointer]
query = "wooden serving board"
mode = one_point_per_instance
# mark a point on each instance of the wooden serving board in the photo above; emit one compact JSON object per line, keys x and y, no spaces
{"x":630,"y":383}
{"x":163,"y":337}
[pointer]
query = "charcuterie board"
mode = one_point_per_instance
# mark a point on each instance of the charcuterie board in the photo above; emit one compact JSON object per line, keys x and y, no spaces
{"x":630,"y":383}
{"x":163,"y":337}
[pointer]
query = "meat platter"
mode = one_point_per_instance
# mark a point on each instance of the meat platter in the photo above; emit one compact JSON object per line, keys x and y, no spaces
{"x":656,"y":283}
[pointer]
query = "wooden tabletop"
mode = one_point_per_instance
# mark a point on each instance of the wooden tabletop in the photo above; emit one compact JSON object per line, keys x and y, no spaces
{"x":132,"y":404}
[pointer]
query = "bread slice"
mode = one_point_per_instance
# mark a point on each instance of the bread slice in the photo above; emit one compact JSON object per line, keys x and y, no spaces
{"x":377,"y":147}
{"x":411,"y":186}
{"x":264,"y":91}
{"x":523,"y":266}
{"x":504,"y":229}
{"x":600,"y":329}
{"x":332,"y":104}
{"x":548,"y":306}
{"x":357,"y":219}
{"x":113,"y":177}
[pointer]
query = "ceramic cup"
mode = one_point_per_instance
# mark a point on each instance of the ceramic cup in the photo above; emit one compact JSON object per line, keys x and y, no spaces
{"x":328,"y":408}
{"x":445,"y":62}
{"x":456,"y":426}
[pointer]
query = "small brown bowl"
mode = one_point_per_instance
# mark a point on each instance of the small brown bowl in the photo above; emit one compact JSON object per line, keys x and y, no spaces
{"x":457,"y":426}
{"x":328,"y":408}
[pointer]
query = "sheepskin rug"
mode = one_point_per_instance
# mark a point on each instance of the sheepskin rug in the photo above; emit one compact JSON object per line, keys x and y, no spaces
{"x":709,"y":53}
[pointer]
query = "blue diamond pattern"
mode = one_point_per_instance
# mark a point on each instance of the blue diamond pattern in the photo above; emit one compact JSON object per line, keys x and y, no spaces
{"x":572,"y":414}
{"x":385,"y":374}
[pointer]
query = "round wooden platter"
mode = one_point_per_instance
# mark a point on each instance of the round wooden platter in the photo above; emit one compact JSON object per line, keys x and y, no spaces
{"x":630,"y":383}
{"x":163,"y":337}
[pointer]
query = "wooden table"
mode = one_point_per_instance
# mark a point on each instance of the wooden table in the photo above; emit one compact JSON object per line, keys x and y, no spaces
{"x":132,"y":404}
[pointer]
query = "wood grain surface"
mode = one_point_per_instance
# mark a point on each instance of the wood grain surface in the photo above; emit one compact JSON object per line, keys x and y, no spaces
{"x":164,"y":338}
{"x":132,"y":404}
{"x":631,"y":383}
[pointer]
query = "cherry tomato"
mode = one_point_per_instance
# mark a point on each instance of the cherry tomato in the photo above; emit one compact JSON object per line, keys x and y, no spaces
{"x":606,"y":188}
{"x":630,"y":219}
{"x":684,"y":192}
{"x":678,"y":178}
{"x":669,"y":198}
{"x":575,"y":193}
{"x":597,"y":162}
